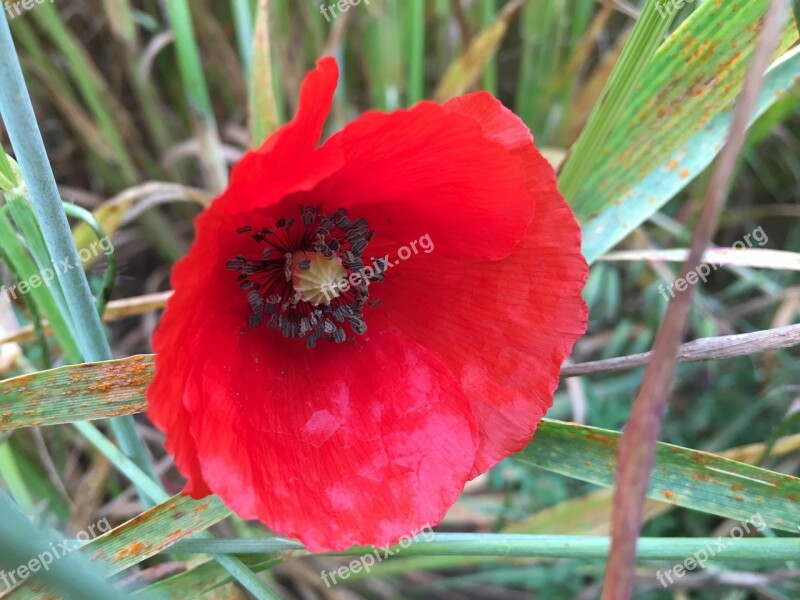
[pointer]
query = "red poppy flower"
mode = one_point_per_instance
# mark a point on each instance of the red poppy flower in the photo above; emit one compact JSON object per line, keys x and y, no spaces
{"x":361,"y":327}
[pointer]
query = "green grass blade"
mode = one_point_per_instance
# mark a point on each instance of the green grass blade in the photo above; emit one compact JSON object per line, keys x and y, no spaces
{"x":17,"y":113}
{"x":648,"y":195}
{"x":684,"y":477}
{"x":243,"y":23}
{"x":263,"y":111}
{"x":647,"y":35}
{"x":523,"y":545}
{"x":197,"y":95}
{"x":415,"y":23}
{"x":69,"y":574}
{"x":488,"y":14}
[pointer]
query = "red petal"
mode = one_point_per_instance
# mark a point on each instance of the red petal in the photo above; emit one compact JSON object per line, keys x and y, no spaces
{"x":354,"y":443}
{"x":357,"y":443}
{"x":503,"y":328}
{"x":501,"y":125}
{"x":288,"y":161}
{"x":423,"y":170}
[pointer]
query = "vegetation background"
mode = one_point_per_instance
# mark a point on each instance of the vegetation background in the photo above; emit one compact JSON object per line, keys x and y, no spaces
{"x":143,"y":106}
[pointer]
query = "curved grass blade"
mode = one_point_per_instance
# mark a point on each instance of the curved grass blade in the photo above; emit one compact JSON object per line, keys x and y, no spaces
{"x":148,"y":534}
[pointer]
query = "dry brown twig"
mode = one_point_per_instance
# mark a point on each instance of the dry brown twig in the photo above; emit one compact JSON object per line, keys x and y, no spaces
{"x":714,"y":348}
{"x":636,"y":453}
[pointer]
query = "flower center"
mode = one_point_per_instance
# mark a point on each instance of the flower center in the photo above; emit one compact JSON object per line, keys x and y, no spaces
{"x":317,"y":279}
{"x":310,"y":279}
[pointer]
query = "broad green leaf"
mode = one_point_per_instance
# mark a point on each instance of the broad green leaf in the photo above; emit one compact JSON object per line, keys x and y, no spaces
{"x":693,"y":76}
{"x":678,"y":167}
{"x":683,"y":477}
{"x":609,"y":110}
{"x":75,"y":393}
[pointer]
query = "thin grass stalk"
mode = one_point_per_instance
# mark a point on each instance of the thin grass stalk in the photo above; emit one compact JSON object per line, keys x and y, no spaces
{"x":767,"y":550}
{"x":16,"y":110}
{"x":415,"y":14}
{"x":243,"y":24}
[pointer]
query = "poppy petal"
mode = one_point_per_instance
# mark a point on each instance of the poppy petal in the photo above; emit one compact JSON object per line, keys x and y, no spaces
{"x":349,"y":444}
{"x":308,"y":442}
{"x":501,"y":125}
{"x":503,"y":328}
{"x":424,"y":170}
{"x":289,"y":161}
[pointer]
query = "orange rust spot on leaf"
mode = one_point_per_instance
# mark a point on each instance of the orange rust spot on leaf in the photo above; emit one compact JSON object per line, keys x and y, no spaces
{"x":668,"y":495}
{"x":134,"y":549}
